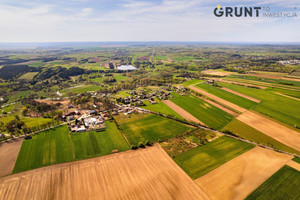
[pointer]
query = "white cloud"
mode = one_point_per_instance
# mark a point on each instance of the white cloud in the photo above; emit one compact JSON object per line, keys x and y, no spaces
{"x":86,"y":12}
{"x":137,"y":20}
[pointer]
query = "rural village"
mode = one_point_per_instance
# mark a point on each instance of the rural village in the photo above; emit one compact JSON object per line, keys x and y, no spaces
{"x":149,"y":121}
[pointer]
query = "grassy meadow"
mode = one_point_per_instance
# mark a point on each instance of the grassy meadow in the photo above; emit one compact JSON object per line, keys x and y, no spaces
{"x":93,"y":143}
{"x":205,"y":112}
{"x":47,"y":148}
{"x":142,"y":127}
{"x":160,"y":107}
{"x":203,"y":159}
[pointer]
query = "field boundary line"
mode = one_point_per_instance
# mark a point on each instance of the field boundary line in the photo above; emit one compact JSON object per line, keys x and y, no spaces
{"x":225,"y":108}
{"x":241,"y":95}
{"x":294,"y":165}
{"x":72,"y":145}
{"x":284,"y":95}
{"x":118,"y":126}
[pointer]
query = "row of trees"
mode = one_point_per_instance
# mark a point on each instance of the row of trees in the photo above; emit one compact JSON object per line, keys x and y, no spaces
{"x":18,"y":127}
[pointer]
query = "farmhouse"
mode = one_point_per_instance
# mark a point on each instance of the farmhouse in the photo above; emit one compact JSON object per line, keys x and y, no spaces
{"x":92,"y":112}
{"x":210,"y":82}
{"x":152,"y":101}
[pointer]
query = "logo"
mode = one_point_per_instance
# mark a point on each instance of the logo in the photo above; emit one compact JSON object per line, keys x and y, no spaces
{"x":219,"y":11}
{"x":236,"y":11}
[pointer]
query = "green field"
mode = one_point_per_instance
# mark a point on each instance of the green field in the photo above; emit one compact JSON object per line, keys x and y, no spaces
{"x":18,"y":95}
{"x":205,"y":112}
{"x":29,"y":122}
{"x":28,"y":76}
{"x":296,"y":159}
{"x":203,"y":159}
{"x":185,"y":58}
{"x":120,"y":77}
{"x":160,"y":107}
{"x":157,"y":58}
{"x":273,"y":105}
{"x":243,"y":130}
{"x":36,"y":64}
{"x":81,"y":89}
{"x":291,"y":93}
{"x":268,"y":80}
{"x":245,"y":103}
{"x":191,"y":82}
{"x":13,"y":107}
{"x":93,"y":143}
{"x":122,"y":94}
{"x":284,"y":184}
{"x":142,"y":127}
{"x":283,"y":84}
{"x":47,"y":148}
{"x":96,"y":80}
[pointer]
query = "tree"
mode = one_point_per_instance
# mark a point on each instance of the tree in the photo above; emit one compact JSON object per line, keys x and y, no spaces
{"x":26,"y":130}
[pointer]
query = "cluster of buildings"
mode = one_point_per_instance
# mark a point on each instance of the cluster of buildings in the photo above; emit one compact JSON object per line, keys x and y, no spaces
{"x":137,"y":97}
{"x":289,"y":62}
{"x":88,"y":121}
{"x":127,"y":110}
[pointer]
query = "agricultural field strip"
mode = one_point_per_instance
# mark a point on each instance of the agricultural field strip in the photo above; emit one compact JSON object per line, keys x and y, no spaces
{"x":287,"y":96}
{"x":240,"y":176}
{"x":239,"y":83}
{"x":263,"y":84}
{"x":294,"y":165}
{"x":273,"y":77}
{"x":284,"y":184}
{"x":241,"y":95}
{"x":217,"y":73}
{"x":8,"y":155}
{"x":207,"y":113}
{"x":227,"y":103}
{"x":186,"y":115}
{"x":143,"y":174}
{"x":275,"y":130}
{"x":219,"y":106}
{"x":249,"y":133}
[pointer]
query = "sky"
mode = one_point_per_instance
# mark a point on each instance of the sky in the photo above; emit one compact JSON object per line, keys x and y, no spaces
{"x":146,"y":20}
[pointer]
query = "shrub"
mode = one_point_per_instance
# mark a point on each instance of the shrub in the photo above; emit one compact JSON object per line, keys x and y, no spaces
{"x":141,"y":145}
{"x":147,"y":143}
{"x":133,"y":147}
{"x":28,"y":137}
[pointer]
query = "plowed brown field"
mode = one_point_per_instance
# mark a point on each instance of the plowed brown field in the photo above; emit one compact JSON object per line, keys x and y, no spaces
{"x":8,"y":156}
{"x":183,"y":113}
{"x":239,"y":177}
{"x":275,"y":130}
{"x":142,"y":174}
